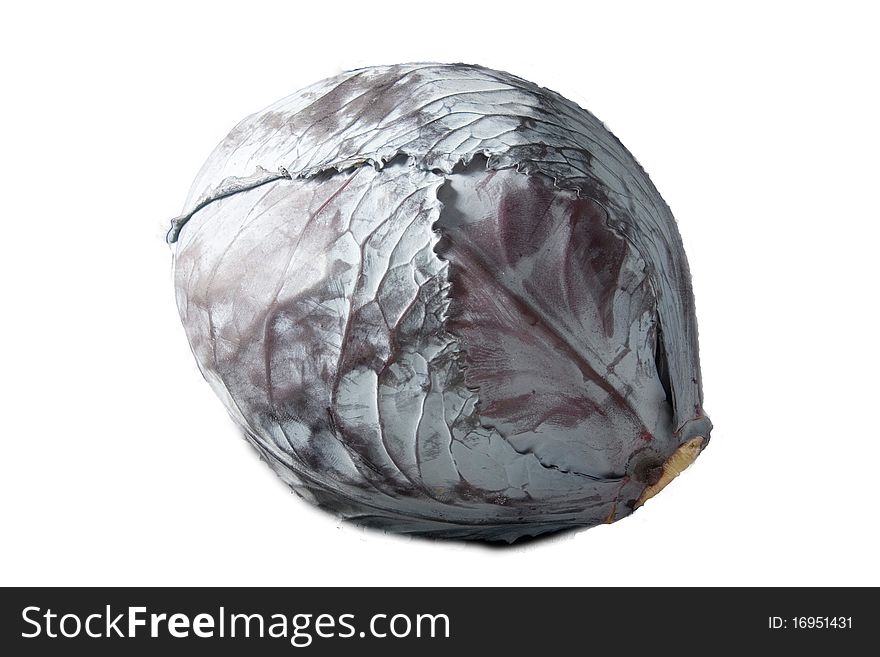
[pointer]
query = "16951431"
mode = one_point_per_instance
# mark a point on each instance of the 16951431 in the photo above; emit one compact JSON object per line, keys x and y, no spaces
{"x":810,"y":622}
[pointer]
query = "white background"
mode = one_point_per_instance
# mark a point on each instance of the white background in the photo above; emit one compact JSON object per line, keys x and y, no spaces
{"x":759,"y":125}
